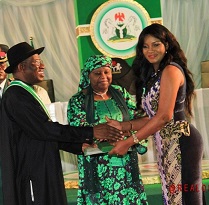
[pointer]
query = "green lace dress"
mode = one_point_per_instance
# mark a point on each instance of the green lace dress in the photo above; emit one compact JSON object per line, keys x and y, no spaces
{"x":103,"y":179}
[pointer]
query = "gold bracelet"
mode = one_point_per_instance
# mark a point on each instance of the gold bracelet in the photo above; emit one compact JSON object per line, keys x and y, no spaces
{"x":131,"y":125}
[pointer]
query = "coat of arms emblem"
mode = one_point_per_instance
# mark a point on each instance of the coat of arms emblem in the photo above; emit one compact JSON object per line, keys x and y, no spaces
{"x":116,"y":25}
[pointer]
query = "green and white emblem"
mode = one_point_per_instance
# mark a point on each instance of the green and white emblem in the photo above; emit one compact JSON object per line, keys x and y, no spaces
{"x":116,"y":25}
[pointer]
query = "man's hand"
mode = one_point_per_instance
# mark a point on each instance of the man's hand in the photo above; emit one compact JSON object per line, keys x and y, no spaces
{"x":104,"y":131}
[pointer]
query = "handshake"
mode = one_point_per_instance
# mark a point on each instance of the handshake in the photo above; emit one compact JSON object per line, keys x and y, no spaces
{"x":111,"y":131}
{"x":106,"y":136}
{"x":118,"y":138}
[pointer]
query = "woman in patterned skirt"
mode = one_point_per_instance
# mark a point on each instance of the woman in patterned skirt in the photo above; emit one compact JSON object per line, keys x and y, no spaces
{"x":164,"y":91}
{"x":104,"y":179}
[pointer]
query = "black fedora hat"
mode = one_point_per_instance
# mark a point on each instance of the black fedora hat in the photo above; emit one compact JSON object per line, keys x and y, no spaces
{"x":18,"y":53}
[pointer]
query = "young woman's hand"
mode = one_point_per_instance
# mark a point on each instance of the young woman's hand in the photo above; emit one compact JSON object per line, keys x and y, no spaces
{"x":120,"y":148}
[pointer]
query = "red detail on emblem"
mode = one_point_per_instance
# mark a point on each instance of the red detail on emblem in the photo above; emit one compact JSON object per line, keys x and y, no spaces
{"x":114,"y":63}
{"x":119,"y":16}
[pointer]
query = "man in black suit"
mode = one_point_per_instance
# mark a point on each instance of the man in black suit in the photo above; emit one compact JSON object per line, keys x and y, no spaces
{"x":4,"y":82}
{"x":30,"y":141}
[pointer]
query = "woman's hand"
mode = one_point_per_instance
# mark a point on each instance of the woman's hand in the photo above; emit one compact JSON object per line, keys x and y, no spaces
{"x":85,"y":146}
{"x":113,"y":123}
{"x":117,"y":124}
{"x":120,"y":148}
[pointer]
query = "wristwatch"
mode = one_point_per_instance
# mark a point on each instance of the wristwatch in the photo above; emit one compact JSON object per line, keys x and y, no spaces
{"x":136,"y":140}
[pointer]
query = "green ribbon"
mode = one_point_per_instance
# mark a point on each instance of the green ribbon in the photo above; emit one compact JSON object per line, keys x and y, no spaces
{"x":31,"y":91}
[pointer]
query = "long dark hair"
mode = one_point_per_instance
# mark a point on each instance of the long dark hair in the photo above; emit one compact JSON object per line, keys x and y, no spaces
{"x":143,"y":69}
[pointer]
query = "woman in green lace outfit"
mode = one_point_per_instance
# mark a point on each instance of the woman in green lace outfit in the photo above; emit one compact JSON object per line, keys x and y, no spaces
{"x":104,"y":179}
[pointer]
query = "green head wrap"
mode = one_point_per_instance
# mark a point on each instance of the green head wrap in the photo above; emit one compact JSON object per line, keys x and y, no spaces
{"x":92,"y":63}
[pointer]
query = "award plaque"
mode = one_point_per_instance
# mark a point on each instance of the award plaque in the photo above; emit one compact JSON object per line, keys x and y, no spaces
{"x":102,"y":147}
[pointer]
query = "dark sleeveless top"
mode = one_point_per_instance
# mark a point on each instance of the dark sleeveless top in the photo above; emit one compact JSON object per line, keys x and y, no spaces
{"x":179,"y":113}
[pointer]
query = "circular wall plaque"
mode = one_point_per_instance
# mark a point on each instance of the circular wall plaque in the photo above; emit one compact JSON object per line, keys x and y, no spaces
{"x":116,"y":25}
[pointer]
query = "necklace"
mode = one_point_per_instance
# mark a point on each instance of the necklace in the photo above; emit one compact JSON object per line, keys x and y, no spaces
{"x":102,"y":94}
{"x":154,"y":74}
